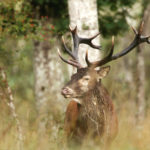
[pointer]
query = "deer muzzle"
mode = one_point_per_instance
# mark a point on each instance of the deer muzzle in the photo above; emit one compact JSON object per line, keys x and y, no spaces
{"x":67,"y":92}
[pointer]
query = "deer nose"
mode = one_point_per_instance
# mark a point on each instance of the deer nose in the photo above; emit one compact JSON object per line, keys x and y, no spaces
{"x":66,"y":91}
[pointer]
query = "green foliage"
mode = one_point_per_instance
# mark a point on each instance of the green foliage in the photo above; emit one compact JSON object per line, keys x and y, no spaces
{"x":18,"y":19}
{"x":16,"y":22}
{"x":56,"y":10}
{"x":52,"y":8}
{"x":112,"y":16}
{"x":108,"y":28}
{"x":116,"y":4}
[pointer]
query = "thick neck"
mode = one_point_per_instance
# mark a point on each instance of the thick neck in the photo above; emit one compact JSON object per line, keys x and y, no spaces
{"x":96,"y":89}
{"x":99,"y":94}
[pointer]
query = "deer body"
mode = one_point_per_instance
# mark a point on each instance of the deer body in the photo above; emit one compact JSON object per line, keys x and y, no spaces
{"x":78,"y":122}
{"x":91,"y":111}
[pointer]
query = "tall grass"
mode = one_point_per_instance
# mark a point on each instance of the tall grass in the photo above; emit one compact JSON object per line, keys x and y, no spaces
{"x":130,"y":136}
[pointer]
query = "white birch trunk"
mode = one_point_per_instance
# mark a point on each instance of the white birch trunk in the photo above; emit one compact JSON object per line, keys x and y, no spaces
{"x":42,"y":81}
{"x":48,"y":81}
{"x":141,"y":70}
{"x":140,"y":85}
{"x":84,"y":15}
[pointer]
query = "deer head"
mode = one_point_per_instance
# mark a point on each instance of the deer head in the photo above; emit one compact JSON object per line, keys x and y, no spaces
{"x":83,"y":81}
{"x":88,"y":77}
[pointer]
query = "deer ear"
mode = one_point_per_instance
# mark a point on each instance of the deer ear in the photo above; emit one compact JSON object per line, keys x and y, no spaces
{"x":103,"y":72}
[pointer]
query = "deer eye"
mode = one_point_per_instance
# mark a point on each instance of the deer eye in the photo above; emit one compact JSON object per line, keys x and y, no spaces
{"x":86,"y":78}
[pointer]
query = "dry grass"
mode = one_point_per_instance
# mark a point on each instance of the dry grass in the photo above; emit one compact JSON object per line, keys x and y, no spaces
{"x":130,"y":137}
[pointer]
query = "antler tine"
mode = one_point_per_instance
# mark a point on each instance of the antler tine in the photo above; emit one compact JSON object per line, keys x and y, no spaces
{"x":148,"y":40}
{"x":73,"y":63}
{"x":67,"y":49}
{"x":107,"y":58}
{"x":76,"y":42}
{"x":138,"y":39}
{"x":79,"y":40}
{"x":73,"y":60}
{"x":141,"y":28}
{"x":112,"y":47}
{"x":134,"y":30}
{"x":73,"y":30}
{"x":88,"y":41}
{"x":86,"y":59}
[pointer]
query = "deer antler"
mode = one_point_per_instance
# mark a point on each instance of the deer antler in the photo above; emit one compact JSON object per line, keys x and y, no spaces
{"x":76,"y":42}
{"x":71,"y":62}
{"x":138,"y":39}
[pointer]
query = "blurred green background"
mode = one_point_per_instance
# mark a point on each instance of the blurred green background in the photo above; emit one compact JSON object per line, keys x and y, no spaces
{"x":22,"y":23}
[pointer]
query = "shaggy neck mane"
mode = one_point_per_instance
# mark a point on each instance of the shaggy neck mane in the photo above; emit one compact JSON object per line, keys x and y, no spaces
{"x":96,"y":107}
{"x":98,"y":96}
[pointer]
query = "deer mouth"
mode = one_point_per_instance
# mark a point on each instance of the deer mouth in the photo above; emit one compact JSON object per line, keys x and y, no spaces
{"x":74,"y":98}
{"x":67,"y":96}
{"x":67,"y":92}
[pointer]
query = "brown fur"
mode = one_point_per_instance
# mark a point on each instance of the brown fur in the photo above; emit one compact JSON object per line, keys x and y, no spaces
{"x":95,"y":116}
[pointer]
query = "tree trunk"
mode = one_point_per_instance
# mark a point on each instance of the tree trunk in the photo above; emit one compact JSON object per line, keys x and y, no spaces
{"x":48,"y":81}
{"x":42,"y":80}
{"x":83,"y":14}
{"x":141,"y":70}
{"x":140,"y":85}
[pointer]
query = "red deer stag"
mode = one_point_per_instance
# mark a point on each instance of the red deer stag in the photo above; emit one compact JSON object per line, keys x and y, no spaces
{"x":91,"y":110}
